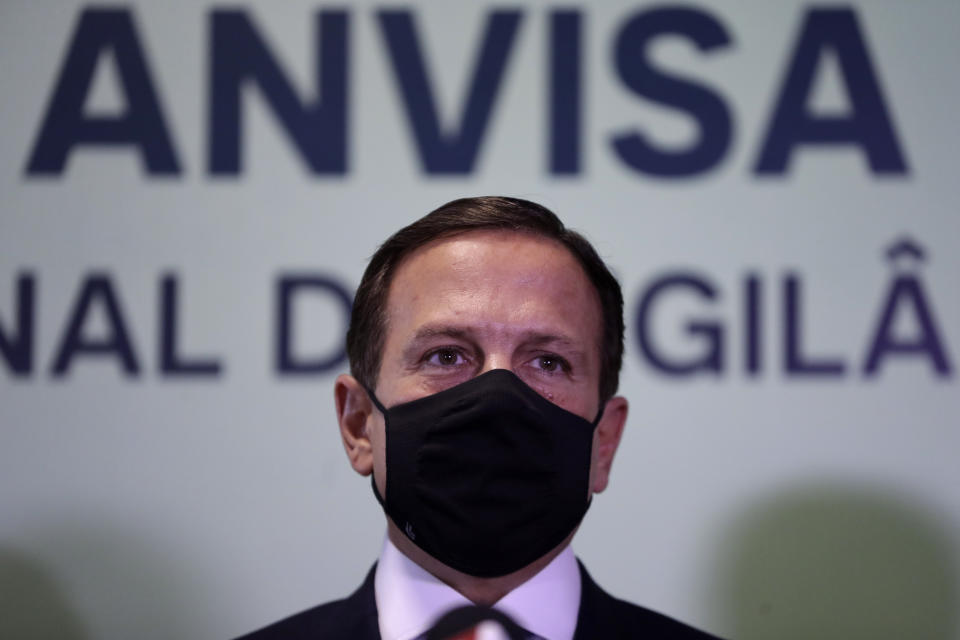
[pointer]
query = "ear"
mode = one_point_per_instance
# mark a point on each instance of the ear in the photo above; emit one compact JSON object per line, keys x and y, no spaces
{"x":606,"y":439}
{"x":354,"y":410}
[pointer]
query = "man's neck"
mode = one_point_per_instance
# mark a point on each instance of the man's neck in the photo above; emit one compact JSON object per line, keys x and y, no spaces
{"x":480,"y":591}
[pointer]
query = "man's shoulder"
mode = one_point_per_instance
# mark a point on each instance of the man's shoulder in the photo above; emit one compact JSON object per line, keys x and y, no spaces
{"x":352,"y":617}
{"x":602,"y":615}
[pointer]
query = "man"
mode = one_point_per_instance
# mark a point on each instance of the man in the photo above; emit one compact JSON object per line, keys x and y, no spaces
{"x":485,"y":348}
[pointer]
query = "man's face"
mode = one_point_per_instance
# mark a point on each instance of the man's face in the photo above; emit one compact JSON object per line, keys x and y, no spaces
{"x":483,"y":300}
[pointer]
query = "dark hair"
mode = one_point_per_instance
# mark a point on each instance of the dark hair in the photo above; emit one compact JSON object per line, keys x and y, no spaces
{"x":365,"y":338}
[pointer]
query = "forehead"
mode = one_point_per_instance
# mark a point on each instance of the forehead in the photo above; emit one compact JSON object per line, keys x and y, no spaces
{"x":495,"y":276}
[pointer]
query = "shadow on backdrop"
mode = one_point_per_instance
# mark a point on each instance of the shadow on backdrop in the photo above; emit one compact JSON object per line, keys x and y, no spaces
{"x":32,"y":606}
{"x":833,"y":562}
{"x":108,"y":581}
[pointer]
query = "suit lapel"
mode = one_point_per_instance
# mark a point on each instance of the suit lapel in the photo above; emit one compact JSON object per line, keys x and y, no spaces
{"x":592,"y":619}
{"x":365,"y":601}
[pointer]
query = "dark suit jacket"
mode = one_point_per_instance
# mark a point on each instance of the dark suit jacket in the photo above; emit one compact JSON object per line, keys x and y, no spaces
{"x":601,"y":616}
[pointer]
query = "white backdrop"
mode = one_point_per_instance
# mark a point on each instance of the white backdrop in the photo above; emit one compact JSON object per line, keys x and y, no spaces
{"x":754,"y":500}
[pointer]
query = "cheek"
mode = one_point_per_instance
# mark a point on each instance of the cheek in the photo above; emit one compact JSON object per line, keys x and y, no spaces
{"x":573,"y":400}
{"x":559,"y":391}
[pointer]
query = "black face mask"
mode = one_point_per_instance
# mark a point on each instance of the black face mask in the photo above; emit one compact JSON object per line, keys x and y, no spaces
{"x":486,"y":476}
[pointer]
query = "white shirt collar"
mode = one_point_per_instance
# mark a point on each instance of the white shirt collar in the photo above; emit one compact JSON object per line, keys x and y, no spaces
{"x":409,"y":599}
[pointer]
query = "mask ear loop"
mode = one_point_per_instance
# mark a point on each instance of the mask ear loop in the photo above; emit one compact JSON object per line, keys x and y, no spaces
{"x":376,"y":402}
{"x":383,"y":410}
{"x":596,"y":420}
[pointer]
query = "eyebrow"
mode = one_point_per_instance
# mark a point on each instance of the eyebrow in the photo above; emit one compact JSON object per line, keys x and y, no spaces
{"x":532,"y":338}
{"x":435,"y":330}
{"x":537,"y":338}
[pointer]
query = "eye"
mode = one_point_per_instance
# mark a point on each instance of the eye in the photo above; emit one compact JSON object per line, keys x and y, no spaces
{"x":551,"y":363}
{"x":445,"y":357}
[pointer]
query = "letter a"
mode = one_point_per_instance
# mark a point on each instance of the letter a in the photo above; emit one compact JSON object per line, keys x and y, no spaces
{"x":65,"y":125}
{"x":908,"y":292}
{"x":868,"y":125}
